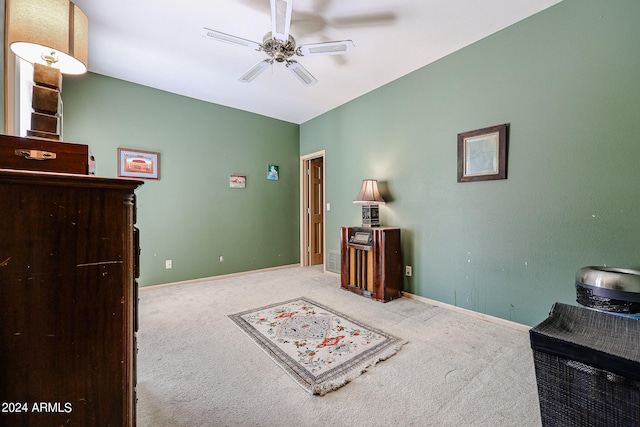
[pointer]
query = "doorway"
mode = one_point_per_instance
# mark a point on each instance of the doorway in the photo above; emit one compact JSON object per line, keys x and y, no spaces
{"x":312,"y":218}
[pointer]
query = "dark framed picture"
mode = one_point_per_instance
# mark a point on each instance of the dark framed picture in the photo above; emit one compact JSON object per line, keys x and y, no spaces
{"x":138,"y":164}
{"x":482,"y":154}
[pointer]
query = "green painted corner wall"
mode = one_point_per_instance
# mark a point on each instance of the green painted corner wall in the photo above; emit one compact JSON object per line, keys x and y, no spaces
{"x":191,"y":215}
{"x":565,"y":81}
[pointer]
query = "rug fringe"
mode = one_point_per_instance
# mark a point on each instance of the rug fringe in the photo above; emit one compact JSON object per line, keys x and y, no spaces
{"x":330,"y":385}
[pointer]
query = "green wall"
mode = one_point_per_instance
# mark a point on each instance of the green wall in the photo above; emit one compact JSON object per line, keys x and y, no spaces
{"x":190,"y":215}
{"x":566,"y":82}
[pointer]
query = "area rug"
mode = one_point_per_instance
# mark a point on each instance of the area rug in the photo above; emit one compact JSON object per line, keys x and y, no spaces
{"x":320,"y":348}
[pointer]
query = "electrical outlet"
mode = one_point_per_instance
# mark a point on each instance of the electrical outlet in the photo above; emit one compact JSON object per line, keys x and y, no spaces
{"x":168,"y":264}
{"x":221,"y":258}
{"x":408,"y":271}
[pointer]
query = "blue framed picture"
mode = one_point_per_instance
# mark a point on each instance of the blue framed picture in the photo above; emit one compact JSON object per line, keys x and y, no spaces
{"x":138,"y":164}
{"x":272,"y":172}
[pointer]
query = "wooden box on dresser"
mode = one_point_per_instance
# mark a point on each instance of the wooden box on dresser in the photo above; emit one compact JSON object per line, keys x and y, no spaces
{"x":67,"y":300}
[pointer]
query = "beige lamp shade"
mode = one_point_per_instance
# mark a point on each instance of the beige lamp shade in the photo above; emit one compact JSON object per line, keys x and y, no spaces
{"x":40,"y":27}
{"x":369,"y":194}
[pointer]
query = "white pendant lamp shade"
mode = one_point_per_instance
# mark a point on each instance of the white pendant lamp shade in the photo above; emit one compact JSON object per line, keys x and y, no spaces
{"x":36,"y":28}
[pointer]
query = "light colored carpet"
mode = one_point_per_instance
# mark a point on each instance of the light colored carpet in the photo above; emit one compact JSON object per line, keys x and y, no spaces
{"x":196,"y":368}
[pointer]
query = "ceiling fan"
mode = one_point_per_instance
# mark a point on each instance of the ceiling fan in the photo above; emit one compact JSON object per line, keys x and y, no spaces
{"x":280,"y":46}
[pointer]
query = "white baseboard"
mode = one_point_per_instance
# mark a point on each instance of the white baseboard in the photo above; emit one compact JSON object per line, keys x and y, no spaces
{"x":220,"y":277}
{"x":482,"y":316}
{"x":331,"y":273}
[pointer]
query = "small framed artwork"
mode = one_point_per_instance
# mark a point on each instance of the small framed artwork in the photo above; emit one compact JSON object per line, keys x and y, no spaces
{"x":237,"y":181}
{"x":482,"y":154}
{"x":138,"y":164}
{"x":272,"y":172}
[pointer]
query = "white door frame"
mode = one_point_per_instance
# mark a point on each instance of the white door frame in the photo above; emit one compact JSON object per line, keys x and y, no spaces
{"x":304,"y":196}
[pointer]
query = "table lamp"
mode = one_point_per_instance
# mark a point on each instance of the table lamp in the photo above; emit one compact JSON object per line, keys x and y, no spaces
{"x":53,"y":36}
{"x":370,"y":198}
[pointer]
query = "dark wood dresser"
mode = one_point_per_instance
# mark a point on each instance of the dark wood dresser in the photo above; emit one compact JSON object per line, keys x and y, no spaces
{"x":371,"y":262}
{"x":68,"y":300}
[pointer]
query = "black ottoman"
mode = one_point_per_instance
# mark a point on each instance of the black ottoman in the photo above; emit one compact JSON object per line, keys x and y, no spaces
{"x":587,"y":366}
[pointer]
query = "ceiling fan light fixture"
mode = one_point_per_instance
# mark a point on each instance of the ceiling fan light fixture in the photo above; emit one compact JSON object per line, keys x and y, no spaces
{"x":255,"y":71}
{"x":279,"y":50}
{"x":301,"y":73}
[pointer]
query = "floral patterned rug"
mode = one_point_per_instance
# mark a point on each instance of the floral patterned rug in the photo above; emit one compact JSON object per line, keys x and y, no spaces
{"x":320,"y":348}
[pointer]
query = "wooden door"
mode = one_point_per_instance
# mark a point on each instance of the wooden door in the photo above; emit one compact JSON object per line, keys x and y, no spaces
{"x":316,"y":212}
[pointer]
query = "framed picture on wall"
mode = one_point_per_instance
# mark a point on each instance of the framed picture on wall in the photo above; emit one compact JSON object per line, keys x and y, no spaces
{"x":272,"y":172}
{"x":482,"y":154}
{"x":237,"y":181}
{"x":138,"y":164}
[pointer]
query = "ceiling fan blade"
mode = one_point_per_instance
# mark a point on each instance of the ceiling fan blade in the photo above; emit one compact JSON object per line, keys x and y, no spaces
{"x":301,"y":73}
{"x":255,"y":71}
{"x":328,"y":48}
{"x":307,"y":23}
{"x":226,"y":38}
{"x":281,"y":19}
{"x":364,"y":20}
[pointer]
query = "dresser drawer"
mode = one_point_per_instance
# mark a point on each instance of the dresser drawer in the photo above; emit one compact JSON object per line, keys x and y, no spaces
{"x":41,"y":155}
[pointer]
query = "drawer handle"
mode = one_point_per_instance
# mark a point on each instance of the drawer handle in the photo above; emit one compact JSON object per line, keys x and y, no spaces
{"x":35,"y":154}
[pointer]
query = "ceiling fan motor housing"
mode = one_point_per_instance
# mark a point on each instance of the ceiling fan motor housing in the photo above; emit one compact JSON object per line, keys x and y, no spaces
{"x":279,"y":50}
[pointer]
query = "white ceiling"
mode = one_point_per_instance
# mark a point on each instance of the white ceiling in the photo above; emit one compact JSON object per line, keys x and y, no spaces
{"x":157,"y":43}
